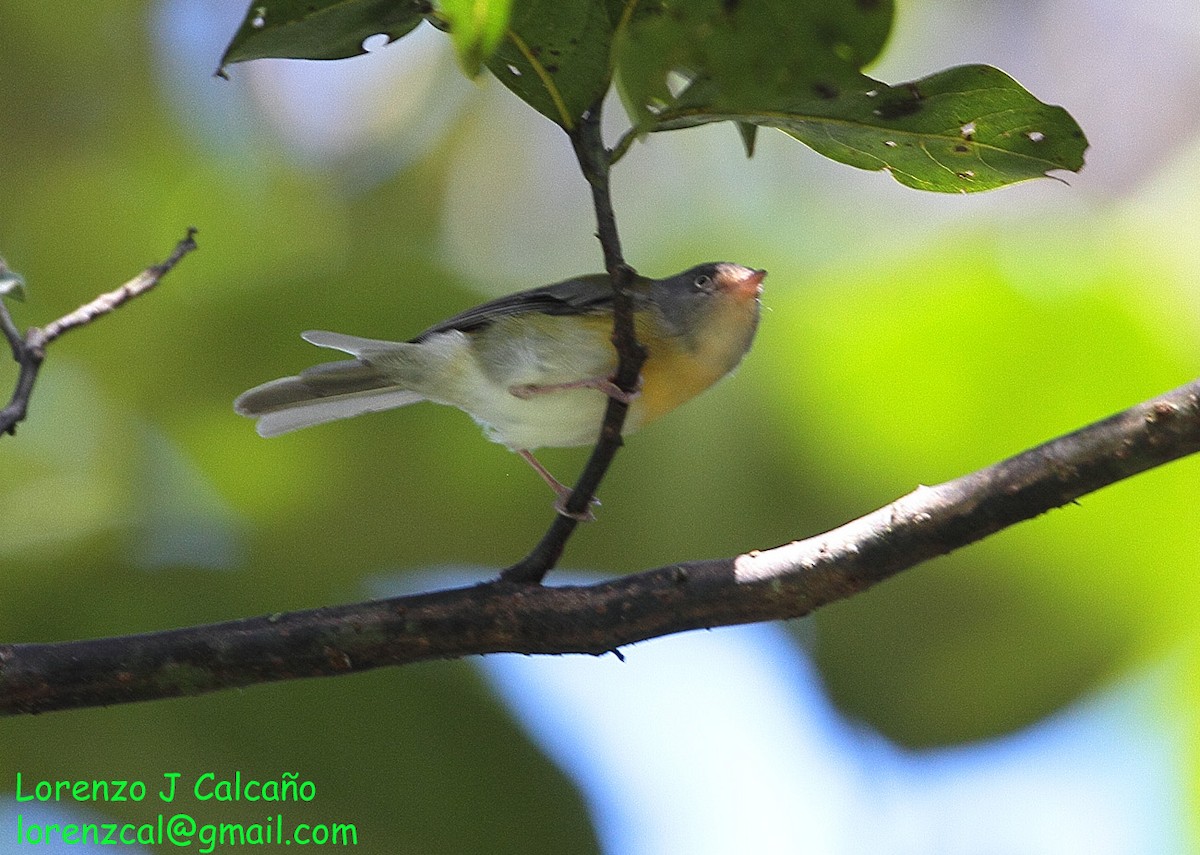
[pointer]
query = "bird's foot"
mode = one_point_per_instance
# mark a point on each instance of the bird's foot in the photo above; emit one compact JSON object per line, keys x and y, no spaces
{"x":524,"y":391}
{"x":561,"y":491}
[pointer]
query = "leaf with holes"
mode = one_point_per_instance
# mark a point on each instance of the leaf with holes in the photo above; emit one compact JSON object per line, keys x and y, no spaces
{"x":318,"y":29}
{"x":555,"y":55}
{"x":742,"y":53}
{"x":961,"y":130}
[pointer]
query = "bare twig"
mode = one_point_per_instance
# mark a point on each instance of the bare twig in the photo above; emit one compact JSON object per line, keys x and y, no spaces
{"x":785,"y":582}
{"x":594,"y":161}
{"x":29,"y":350}
{"x":135,"y":287}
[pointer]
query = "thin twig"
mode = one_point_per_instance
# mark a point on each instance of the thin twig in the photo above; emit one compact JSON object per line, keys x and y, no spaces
{"x":786,"y":582}
{"x":7,"y":326}
{"x":135,"y":287}
{"x":594,"y":161}
{"x":29,"y":350}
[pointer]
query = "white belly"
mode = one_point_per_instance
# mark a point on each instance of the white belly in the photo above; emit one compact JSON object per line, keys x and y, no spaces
{"x":483,"y":378}
{"x":564,"y":418}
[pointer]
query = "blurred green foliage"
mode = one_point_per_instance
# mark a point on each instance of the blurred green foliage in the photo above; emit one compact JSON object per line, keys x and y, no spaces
{"x":134,"y":499}
{"x":924,"y":369}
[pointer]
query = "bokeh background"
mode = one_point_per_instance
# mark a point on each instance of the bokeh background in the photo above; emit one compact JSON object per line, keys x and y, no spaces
{"x":1033,"y":693}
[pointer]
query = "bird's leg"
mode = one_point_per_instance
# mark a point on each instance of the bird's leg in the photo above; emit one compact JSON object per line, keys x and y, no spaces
{"x":602,"y":384}
{"x":562,"y":491}
{"x":525,"y":391}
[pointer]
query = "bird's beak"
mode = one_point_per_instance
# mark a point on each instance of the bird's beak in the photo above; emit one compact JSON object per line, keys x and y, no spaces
{"x":747,"y":283}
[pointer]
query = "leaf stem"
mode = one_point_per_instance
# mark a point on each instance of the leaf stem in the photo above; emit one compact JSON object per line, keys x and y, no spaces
{"x":623,"y":145}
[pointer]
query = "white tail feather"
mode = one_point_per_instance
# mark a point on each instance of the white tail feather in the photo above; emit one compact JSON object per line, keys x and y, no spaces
{"x":321,"y":410}
{"x":351,"y":344}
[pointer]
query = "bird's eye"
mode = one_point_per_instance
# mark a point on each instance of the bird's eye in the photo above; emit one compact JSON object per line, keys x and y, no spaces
{"x":703,"y":282}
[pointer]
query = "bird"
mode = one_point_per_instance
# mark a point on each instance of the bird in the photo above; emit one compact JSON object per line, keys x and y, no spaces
{"x":534,"y":369}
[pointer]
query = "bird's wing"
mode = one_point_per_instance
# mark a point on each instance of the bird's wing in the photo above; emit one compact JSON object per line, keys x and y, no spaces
{"x":579,"y":296}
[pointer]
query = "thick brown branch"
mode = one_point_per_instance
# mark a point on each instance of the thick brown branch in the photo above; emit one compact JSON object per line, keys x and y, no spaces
{"x":29,"y":350}
{"x":785,"y":582}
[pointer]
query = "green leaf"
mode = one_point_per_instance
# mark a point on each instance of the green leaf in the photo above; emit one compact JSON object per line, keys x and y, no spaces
{"x":961,"y":130}
{"x":318,"y":29}
{"x":476,"y":27}
{"x":555,"y":56}
{"x":741,"y":52}
{"x":796,"y":67}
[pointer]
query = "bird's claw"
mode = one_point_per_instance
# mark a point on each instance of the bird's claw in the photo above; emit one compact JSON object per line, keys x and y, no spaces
{"x":615,"y":392}
{"x":586,"y":515}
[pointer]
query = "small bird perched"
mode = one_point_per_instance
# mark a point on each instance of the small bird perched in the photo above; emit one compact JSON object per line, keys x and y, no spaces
{"x":534,"y":368}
